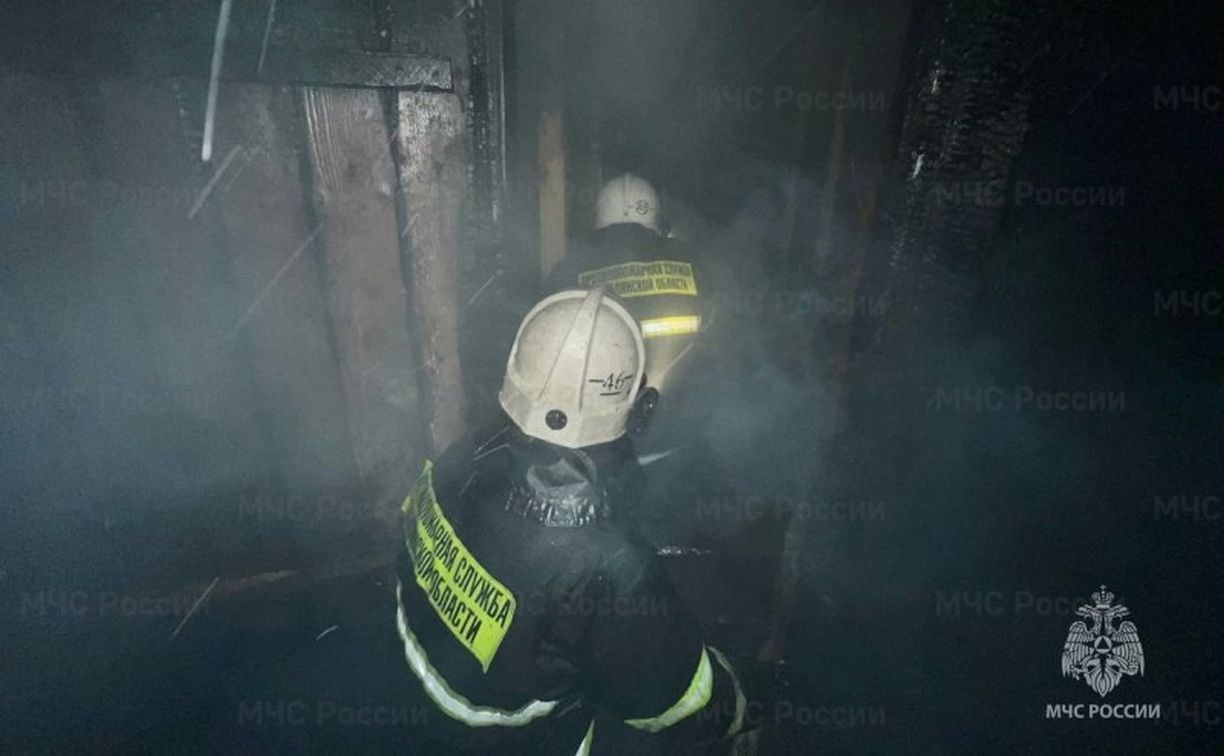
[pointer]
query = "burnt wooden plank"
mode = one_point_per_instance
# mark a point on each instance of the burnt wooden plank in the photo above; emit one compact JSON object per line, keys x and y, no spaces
{"x":283,"y":314}
{"x":353,"y":181}
{"x":432,"y":167}
{"x":317,"y":42}
{"x":551,"y":167}
{"x":341,"y":68}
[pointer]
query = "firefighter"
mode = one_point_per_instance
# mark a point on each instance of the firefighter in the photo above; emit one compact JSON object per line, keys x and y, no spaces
{"x":653,"y":274}
{"x":531,"y":614}
{"x":668,"y":288}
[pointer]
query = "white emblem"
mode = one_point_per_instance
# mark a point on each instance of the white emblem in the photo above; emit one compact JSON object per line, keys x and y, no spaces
{"x":1102,"y":653}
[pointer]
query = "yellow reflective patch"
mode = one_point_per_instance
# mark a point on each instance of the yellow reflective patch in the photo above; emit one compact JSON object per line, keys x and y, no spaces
{"x":636,"y":279}
{"x":694,"y":699}
{"x":676,"y":325}
{"x":471,"y":602}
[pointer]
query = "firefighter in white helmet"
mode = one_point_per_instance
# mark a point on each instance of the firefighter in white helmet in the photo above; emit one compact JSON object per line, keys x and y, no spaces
{"x":654,"y":276}
{"x":668,"y":288}
{"x":531,"y":615}
{"x":628,"y":199}
{"x":574,"y":370}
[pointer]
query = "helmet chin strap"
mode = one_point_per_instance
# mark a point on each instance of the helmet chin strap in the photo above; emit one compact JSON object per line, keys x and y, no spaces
{"x":643,"y":410}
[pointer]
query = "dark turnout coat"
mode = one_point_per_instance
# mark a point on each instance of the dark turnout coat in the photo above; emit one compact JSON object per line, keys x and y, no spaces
{"x":529,"y":614}
{"x":659,"y":281}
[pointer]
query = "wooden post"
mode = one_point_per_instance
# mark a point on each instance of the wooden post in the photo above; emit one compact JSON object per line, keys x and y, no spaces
{"x":283,"y":314}
{"x":795,"y":541}
{"x":552,"y":190}
{"x":432,"y":169}
{"x":354,"y":184}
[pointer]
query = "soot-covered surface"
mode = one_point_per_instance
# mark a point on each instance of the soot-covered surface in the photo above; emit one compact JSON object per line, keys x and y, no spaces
{"x":1031,"y":408}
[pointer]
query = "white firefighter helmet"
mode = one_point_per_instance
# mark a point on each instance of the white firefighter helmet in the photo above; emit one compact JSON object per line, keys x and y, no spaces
{"x":628,"y":199}
{"x":575,"y":369}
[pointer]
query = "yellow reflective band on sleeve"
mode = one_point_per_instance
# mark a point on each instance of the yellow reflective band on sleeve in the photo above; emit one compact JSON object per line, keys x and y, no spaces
{"x":675,"y":325}
{"x":643,"y":279}
{"x":451,"y":703}
{"x":584,"y":748}
{"x":693,"y":700}
{"x":473,"y":605}
{"x":741,"y":701}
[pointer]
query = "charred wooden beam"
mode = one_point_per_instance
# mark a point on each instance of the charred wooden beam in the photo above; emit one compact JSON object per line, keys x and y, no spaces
{"x":961,"y":123}
{"x":295,"y":44}
{"x":552,"y":190}
{"x":353,"y":186}
{"x":340,"y":68}
{"x":276,"y":258}
{"x":961,"y":120}
{"x":432,"y":169}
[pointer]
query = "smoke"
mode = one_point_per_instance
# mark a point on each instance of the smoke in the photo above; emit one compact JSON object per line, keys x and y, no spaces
{"x":1032,"y":419}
